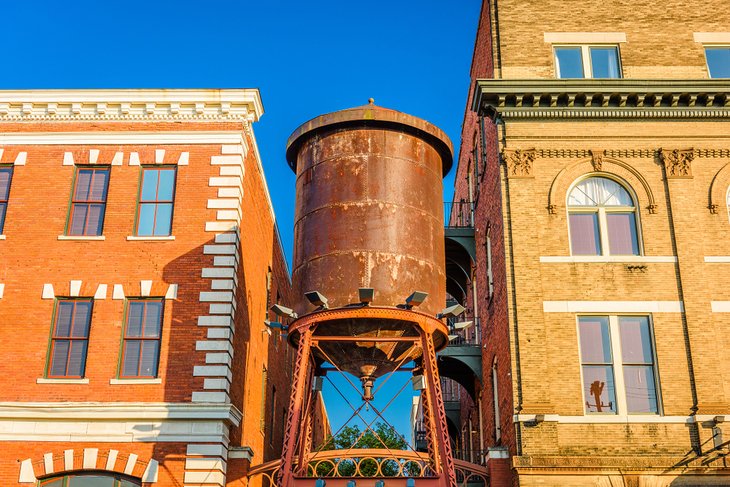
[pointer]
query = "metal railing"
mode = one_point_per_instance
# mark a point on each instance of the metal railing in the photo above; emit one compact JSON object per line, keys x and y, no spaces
{"x":458,"y":214}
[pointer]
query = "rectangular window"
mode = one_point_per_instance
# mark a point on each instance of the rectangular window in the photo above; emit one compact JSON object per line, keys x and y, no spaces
{"x":273,"y":415}
{"x":622,"y":238}
{"x":70,"y":338}
{"x":718,"y":61}
{"x":88,"y":202}
{"x":264,"y":386}
{"x":585,"y":238}
{"x":6,"y":176}
{"x":617,"y":362}
{"x":156,"y":200}
{"x":142,"y":332}
{"x":587,"y":62}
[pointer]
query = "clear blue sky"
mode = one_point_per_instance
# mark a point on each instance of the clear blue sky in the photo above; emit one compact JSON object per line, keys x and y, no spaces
{"x":307,"y":58}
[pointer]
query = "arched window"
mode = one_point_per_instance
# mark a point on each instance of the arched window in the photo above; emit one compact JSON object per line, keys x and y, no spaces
{"x":602,"y":218}
{"x":90,"y":479}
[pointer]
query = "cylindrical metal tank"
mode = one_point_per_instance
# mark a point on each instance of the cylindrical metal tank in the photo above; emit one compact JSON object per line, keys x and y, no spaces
{"x":369,"y":211}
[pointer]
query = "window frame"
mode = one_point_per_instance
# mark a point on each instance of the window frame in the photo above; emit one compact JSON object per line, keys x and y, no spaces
{"x":53,"y":338}
{"x":65,"y":477}
{"x":603,"y":220}
{"x":124,"y":338}
{"x":617,"y":364}
{"x":727,"y":202}
{"x":705,"y":47}
{"x":140,"y":202}
{"x":585,"y":51}
{"x":6,"y":202}
{"x":88,"y":203}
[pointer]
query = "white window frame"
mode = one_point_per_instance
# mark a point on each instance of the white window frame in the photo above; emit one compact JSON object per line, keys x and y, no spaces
{"x":727,"y":202}
{"x":602,"y":220}
{"x":585,"y":50}
{"x":495,"y":403}
{"x":618,"y":366}
{"x":490,"y":278}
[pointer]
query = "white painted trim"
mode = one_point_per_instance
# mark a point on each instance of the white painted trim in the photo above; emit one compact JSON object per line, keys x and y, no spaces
{"x":3,"y":237}
{"x":48,"y":462}
{"x":145,"y":287}
{"x":119,"y":382}
{"x":171,"y":291}
{"x":120,"y":138}
{"x":151,"y":239}
{"x":616,"y":418}
{"x":2,"y":290}
{"x":712,"y":37}
{"x":607,"y":258}
{"x":584,"y":37}
{"x":43,"y":380}
{"x":75,"y":288}
{"x":720,"y":306}
{"x":57,"y":411}
{"x":207,"y":450}
{"x":90,"y":457}
{"x":131,"y":462}
{"x":48,"y":292}
{"x":27,"y":475}
{"x":150,"y":473}
{"x":118,"y":291}
{"x":613,"y":307}
{"x":718,"y":259}
{"x":81,"y":237}
{"x":101,"y":291}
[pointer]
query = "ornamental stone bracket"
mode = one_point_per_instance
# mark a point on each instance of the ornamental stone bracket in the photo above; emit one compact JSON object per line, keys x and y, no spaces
{"x":519,"y":162}
{"x":597,"y":159}
{"x":677,"y":162}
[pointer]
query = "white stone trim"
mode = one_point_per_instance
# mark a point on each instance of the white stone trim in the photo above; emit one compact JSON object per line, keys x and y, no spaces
{"x":27,"y":475}
{"x":135,"y":104}
{"x":712,"y":37}
{"x":131,"y":462}
{"x":48,"y":292}
{"x":210,"y":397}
{"x":720,"y":306}
{"x":118,"y":382}
{"x":134,"y":159}
{"x":613,"y":307}
{"x":151,"y":239}
{"x":184,"y":159}
{"x":208,"y":450}
{"x":607,"y":258}
{"x":68,"y":158}
{"x":216,"y":272}
{"x":159,"y":156}
{"x":584,"y":37}
{"x":82,"y":237}
{"x":43,"y":380}
{"x":219,"y":333}
{"x":205,"y":477}
{"x":75,"y":288}
{"x":48,"y":462}
{"x":119,"y":138}
{"x":2,"y":290}
{"x":205,"y":463}
{"x":68,"y":459}
{"x":90,"y":457}
{"x":21,"y":158}
{"x":93,"y":156}
{"x":145,"y":288}
{"x":718,"y":259}
{"x":150,"y":473}
{"x":118,"y":291}
{"x":118,"y":159}
{"x":171,"y":291}
{"x":3,"y":237}
{"x":215,"y":320}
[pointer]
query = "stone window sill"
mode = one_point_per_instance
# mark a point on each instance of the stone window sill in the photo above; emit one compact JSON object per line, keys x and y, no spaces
{"x":61,"y":381}
{"x":151,"y":239}
{"x":118,"y":382}
{"x":81,"y":237}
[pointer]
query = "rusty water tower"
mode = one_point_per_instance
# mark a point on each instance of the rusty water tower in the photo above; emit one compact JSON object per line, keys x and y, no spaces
{"x":369,"y":233}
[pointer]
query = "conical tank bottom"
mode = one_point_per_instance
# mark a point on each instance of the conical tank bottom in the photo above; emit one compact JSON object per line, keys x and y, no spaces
{"x":367,"y":359}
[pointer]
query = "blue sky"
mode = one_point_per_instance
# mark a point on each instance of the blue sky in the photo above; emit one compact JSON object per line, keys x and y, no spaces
{"x":307,"y":58}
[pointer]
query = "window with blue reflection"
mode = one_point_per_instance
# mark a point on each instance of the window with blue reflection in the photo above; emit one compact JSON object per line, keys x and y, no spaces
{"x":156,"y":202}
{"x":718,"y":61}
{"x":569,"y":62}
{"x":604,"y":62}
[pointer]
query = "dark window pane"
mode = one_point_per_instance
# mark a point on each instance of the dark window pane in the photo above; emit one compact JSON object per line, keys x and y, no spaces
{"x":82,"y":319}
{"x":599,"y":389}
{"x":163,"y":221}
{"x":64,"y":315}
{"x":145,"y":225}
{"x":149,"y":184}
{"x":78,"y":219}
{"x":569,"y":62}
{"x":640,"y":389}
{"x":127,"y":483}
{"x":584,"y":234}
{"x":3,"y":207}
{"x":167,"y":185}
{"x":77,"y":358}
{"x":604,"y":62}
{"x":622,"y":238}
{"x":59,"y":358}
{"x":134,"y":320}
{"x":83,"y":183}
{"x":6,"y":173}
{"x":94,"y":220}
{"x":149,"y":358}
{"x":595,"y":341}
{"x":635,"y":340}
{"x":130,"y":361}
{"x":52,"y":483}
{"x":99,"y":185}
{"x":152,"y":319}
{"x":718,"y":61}
{"x":91,"y":481}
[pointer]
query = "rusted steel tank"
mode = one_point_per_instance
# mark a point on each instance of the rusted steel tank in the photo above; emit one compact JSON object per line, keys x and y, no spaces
{"x":369,"y":214}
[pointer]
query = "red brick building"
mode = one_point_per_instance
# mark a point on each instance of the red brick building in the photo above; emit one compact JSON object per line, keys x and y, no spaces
{"x":138,"y":257}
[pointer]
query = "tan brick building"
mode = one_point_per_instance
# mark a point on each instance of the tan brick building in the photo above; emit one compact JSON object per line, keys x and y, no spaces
{"x":138,"y":257}
{"x":596,"y":153}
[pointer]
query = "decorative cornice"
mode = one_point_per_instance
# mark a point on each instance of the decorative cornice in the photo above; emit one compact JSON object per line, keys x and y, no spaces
{"x":130,"y":105}
{"x":622,"y":153}
{"x":592,"y":98}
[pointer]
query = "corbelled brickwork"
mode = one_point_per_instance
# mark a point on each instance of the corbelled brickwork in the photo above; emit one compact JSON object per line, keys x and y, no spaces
{"x":208,"y":412}
{"x":675,"y":166}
